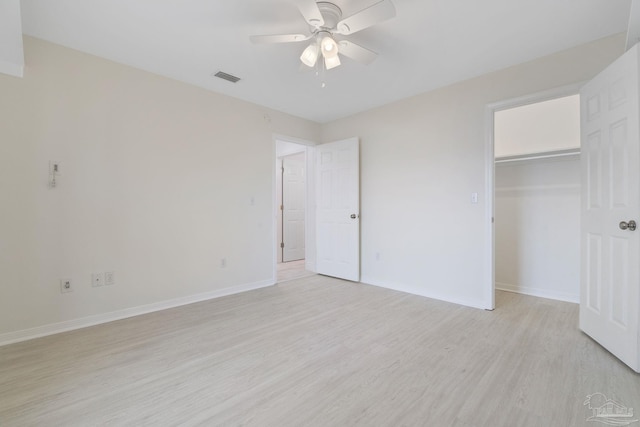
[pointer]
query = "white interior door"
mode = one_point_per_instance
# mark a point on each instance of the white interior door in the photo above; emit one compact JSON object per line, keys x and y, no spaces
{"x":610,"y":278}
{"x":293,"y":207}
{"x":338,"y":209}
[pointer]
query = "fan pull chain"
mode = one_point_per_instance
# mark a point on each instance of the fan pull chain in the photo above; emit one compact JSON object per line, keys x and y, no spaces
{"x":321,"y":73}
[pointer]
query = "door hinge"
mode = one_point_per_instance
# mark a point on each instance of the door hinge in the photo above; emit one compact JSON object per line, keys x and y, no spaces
{"x":282,"y":245}
{"x":281,"y":207}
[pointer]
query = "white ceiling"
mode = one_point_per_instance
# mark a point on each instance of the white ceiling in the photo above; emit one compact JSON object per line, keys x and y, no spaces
{"x":429,"y":44}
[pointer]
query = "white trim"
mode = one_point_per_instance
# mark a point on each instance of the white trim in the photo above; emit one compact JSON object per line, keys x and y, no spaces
{"x":633,"y":27}
{"x":70,"y":325}
{"x":293,"y":140}
{"x":559,"y":92}
{"x":274,"y":214}
{"x":488,"y":287}
{"x":420,"y":292}
{"x":310,"y":209}
{"x":12,"y":69}
{"x":12,"y":62}
{"x":538,"y":292}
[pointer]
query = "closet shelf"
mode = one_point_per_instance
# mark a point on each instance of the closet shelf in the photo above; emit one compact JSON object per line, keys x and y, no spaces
{"x":540,"y":155}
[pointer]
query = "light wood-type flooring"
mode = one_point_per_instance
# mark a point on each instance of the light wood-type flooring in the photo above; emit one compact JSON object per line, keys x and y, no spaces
{"x":318,"y":352}
{"x":292,"y":270}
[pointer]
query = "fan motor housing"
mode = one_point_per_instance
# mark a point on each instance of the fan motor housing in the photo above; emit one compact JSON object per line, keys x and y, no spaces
{"x":331,"y":14}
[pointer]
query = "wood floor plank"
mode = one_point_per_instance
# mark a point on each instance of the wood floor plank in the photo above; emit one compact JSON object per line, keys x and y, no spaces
{"x":320,"y":352}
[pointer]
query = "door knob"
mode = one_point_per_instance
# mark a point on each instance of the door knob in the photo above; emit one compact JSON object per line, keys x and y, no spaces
{"x":354,"y":216}
{"x":631,"y":225}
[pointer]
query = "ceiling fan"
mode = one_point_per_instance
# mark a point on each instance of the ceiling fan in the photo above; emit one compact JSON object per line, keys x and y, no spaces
{"x":325,"y":21}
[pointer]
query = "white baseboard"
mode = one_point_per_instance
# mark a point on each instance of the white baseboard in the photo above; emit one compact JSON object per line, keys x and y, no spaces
{"x":538,"y":292}
{"x":310,"y":265}
{"x":422,"y":293}
{"x":69,"y":325}
{"x":12,"y":69}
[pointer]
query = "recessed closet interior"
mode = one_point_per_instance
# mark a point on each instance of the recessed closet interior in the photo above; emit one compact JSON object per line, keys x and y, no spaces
{"x":537,"y":199}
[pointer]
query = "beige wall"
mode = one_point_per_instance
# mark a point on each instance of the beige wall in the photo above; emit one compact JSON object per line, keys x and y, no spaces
{"x":423,"y":157}
{"x":551,"y":125}
{"x":156,"y":186}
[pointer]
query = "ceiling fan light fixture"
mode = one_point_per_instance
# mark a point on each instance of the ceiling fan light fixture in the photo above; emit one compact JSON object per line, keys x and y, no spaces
{"x":331,"y":62}
{"x":326,"y":20}
{"x":310,"y":55}
{"x":329,"y":47}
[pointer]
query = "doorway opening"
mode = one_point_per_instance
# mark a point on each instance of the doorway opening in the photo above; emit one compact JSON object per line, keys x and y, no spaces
{"x":294,"y":215}
{"x":534,"y":195}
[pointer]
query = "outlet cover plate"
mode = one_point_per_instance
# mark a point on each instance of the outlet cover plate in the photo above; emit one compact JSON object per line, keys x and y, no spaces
{"x":109,"y":278}
{"x":97,"y":279}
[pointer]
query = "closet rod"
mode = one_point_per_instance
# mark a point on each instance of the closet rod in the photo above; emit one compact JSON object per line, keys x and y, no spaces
{"x":543,"y":155}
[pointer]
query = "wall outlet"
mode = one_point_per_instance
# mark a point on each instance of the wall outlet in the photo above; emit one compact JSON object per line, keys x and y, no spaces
{"x":97,"y":279}
{"x":109,"y":278}
{"x":223,"y":263}
{"x":66,"y":286}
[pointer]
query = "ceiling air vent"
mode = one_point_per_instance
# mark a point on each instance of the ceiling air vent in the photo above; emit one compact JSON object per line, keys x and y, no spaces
{"x":227,"y":77}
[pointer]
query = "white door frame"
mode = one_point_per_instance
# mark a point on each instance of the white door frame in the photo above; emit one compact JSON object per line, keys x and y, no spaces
{"x":309,"y":234}
{"x":489,"y":281}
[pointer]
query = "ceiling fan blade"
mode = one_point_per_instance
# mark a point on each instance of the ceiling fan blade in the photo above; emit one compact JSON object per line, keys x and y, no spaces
{"x":356,"y":52}
{"x":378,"y":12}
{"x":309,"y":9}
{"x":279,"y":38}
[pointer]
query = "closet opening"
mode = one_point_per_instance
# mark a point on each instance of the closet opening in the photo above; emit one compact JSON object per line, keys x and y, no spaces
{"x":537,"y":198}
